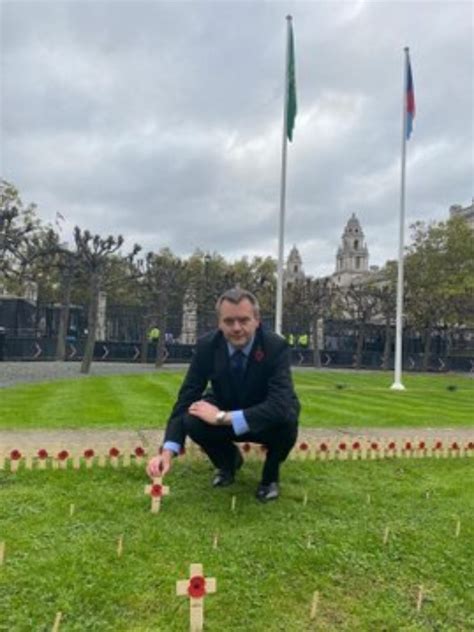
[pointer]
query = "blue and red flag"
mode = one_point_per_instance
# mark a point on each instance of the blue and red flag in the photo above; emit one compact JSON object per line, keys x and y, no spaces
{"x":409,"y":100}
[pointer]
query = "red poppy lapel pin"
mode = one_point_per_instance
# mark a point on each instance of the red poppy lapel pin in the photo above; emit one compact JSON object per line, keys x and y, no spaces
{"x":259,"y":355}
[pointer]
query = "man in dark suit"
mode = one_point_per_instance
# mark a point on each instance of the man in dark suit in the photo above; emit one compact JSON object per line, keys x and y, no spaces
{"x":251,"y":397}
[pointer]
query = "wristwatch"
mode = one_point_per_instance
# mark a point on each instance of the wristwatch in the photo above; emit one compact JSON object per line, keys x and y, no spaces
{"x":220,"y":418}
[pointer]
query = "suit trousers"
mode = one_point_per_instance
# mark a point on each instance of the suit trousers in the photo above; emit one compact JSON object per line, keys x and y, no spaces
{"x":218,"y":442}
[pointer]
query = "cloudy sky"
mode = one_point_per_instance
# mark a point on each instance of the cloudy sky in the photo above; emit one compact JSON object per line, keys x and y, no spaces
{"x":162,"y":121}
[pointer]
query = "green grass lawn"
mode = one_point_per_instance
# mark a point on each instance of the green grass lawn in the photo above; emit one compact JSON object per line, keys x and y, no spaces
{"x":266,"y":572}
{"x":329,"y":399}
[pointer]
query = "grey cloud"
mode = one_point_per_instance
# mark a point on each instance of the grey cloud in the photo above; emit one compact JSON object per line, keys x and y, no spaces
{"x":162,"y":121}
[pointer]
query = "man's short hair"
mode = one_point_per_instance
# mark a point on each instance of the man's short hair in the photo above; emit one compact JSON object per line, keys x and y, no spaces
{"x":236,"y":295}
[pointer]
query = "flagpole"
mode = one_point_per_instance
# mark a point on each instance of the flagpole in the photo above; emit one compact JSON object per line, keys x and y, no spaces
{"x":397,"y":384}
{"x":281,"y":226}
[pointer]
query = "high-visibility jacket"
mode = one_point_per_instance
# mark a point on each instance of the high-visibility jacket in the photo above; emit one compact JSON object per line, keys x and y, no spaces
{"x":303,"y":340}
{"x":154,"y":334}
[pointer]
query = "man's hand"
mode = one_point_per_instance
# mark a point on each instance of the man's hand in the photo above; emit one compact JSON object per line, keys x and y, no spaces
{"x":205,"y":411}
{"x":160,"y":465}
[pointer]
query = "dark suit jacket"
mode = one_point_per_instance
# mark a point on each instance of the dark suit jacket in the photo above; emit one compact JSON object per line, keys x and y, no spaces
{"x":266,"y":396}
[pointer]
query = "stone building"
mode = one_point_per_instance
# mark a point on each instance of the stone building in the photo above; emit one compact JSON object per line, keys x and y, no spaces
{"x":188,"y":334}
{"x":294,"y":267}
{"x":352,"y":258}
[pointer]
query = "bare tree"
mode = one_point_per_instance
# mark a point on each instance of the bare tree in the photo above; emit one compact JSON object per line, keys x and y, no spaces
{"x":320,"y":295}
{"x":161,"y":283}
{"x":384,"y":294}
{"x":68,"y":265}
{"x":358,"y":304}
{"x":93,"y":253}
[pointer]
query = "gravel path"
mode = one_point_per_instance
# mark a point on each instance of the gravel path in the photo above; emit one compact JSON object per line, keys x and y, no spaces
{"x":13,"y":373}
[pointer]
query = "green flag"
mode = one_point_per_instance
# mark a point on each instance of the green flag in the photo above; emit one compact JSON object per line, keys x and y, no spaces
{"x":291,"y":106}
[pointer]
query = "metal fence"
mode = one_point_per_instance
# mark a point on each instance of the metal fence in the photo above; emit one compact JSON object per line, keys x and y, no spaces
{"x":37,"y":348}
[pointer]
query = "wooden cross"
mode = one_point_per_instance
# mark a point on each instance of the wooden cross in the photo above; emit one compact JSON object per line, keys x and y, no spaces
{"x":341,"y":450}
{"x":196,"y":588}
{"x":62,"y":458}
{"x":139,"y":453}
{"x":156,"y":490}
{"x":89,"y":457}
{"x":15,"y":458}
{"x":114,"y":454}
{"x":392,"y":448}
{"x":57,"y":622}
{"x":42,"y":455}
{"x":314,"y":605}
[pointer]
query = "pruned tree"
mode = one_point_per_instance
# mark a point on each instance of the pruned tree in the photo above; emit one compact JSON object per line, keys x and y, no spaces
{"x":384,"y":292}
{"x":68,"y":264}
{"x":308,"y":303}
{"x":206,"y":277}
{"x":258,"y":276}
{"x":161,"y":286}
{"x":93,"y":253}
{"x":359,"y":304}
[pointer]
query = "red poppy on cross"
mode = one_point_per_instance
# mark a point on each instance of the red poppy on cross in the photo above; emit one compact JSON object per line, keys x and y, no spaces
{"x":15,"y":458}
{"x":114,"y":454}
{"x":196,"y":587}
{"x":156,"y":490}
{"x":62,"y":459}
{"x":42,"y":455}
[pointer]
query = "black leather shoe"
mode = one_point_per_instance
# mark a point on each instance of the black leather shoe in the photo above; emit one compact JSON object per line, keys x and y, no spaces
{"x":267,"y":492}
{"x":225,"y":477}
